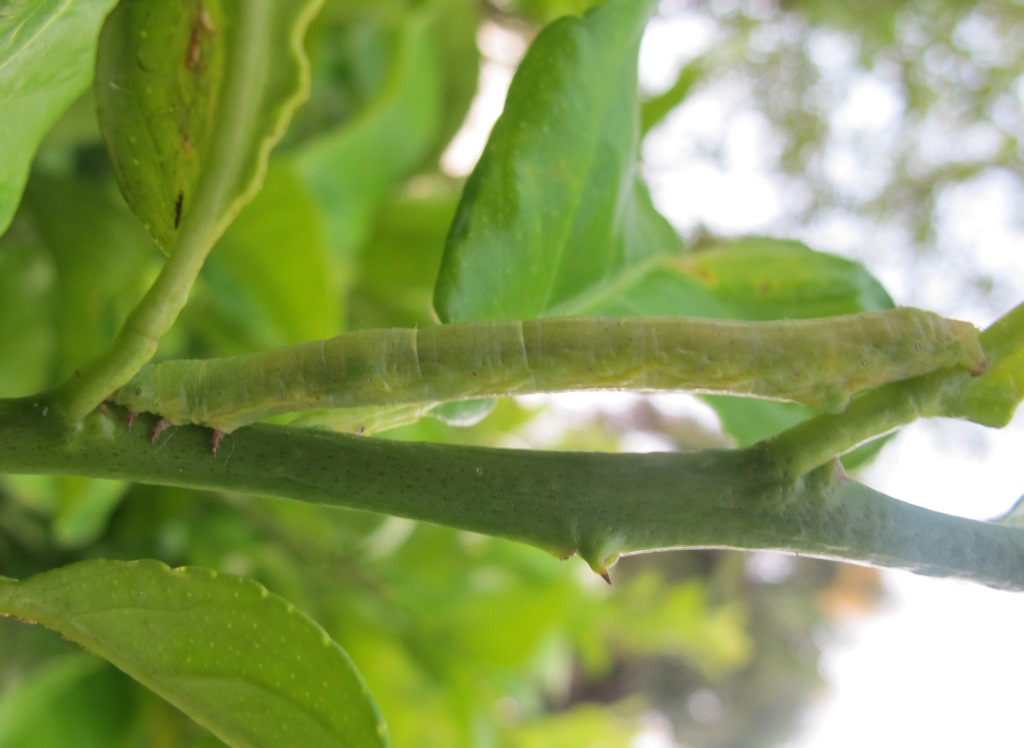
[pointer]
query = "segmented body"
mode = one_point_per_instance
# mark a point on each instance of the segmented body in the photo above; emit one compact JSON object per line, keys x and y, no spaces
{"x":821,"y":363}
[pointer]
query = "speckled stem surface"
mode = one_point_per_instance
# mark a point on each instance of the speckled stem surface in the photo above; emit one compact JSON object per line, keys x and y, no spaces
{"x":596,"y":505}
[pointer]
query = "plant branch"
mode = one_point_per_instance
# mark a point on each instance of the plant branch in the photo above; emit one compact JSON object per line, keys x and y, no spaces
{"x":989,"y":399}
{"x":596,"y":505}
{"x":820,"y":439}
{"x":137,"y":341}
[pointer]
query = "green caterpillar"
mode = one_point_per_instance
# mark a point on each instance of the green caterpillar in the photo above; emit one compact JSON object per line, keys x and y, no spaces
{"x":819,"y":362}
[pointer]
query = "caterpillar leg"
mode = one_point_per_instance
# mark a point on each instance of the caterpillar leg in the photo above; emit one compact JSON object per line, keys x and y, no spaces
{"x":161,"y":426}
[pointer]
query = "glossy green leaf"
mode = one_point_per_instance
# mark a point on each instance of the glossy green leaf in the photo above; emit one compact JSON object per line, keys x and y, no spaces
{"x":544,"y":11}
{"x":234,"y":657}
{"x":47,"y":49}
{"x":748,"y":279}
{"x":762,"y":278}
{"x":554,"y":215}
{"x":191,"y":98}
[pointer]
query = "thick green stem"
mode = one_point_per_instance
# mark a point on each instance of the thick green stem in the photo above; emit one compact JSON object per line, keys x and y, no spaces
{"x":137,"y":341}
{"x":255,"y":103}
{"x":596,"y":505}
{"x":1004,"y":338}
{"x":989,"y":399}
{"x":818,"y":440}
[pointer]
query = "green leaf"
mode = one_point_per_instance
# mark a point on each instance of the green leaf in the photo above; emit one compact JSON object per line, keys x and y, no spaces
{"x":655,"y":109}
{"x":553,"y":214}
{"x":762,"y":278}
{"x":352,"y":168}
{"x":750,"y":279}
{"x":191,"y":97}
{"x":281,"y":301}
{"x":237,"y":659}
{"x":47,"y":49}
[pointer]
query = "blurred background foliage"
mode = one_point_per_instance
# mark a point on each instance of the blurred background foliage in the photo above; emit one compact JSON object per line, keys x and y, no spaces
{"x":467,"y":640}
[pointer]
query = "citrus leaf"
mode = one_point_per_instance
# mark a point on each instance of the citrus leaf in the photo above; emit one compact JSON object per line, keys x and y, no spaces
{"x":46,"y":54}
{"x":288,"y":301}
{"x":763,"y":278}
{"x":352,"y":168}
{"x":237,"y":659}
{"x":655,"y":109}
{"x":191,"y":98}
{"x":554,"y":214}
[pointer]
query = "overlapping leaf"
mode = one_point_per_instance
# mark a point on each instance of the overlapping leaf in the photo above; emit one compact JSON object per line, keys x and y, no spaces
{"x":237,"y":659}
{"x":554,"y":214}
{"x":191,"y":97}
{"x":47,"y":49}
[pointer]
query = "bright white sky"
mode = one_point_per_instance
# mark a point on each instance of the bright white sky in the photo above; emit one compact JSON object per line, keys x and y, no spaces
{"x":940,"y":665}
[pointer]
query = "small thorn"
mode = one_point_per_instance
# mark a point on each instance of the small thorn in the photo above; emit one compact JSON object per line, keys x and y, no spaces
{"x":216,"y":439}
{"x":161,"y":426}
{"x":603,"y":573}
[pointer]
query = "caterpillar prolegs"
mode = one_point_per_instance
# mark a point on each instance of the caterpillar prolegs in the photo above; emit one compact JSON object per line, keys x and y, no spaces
{"x":819,"y":362}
